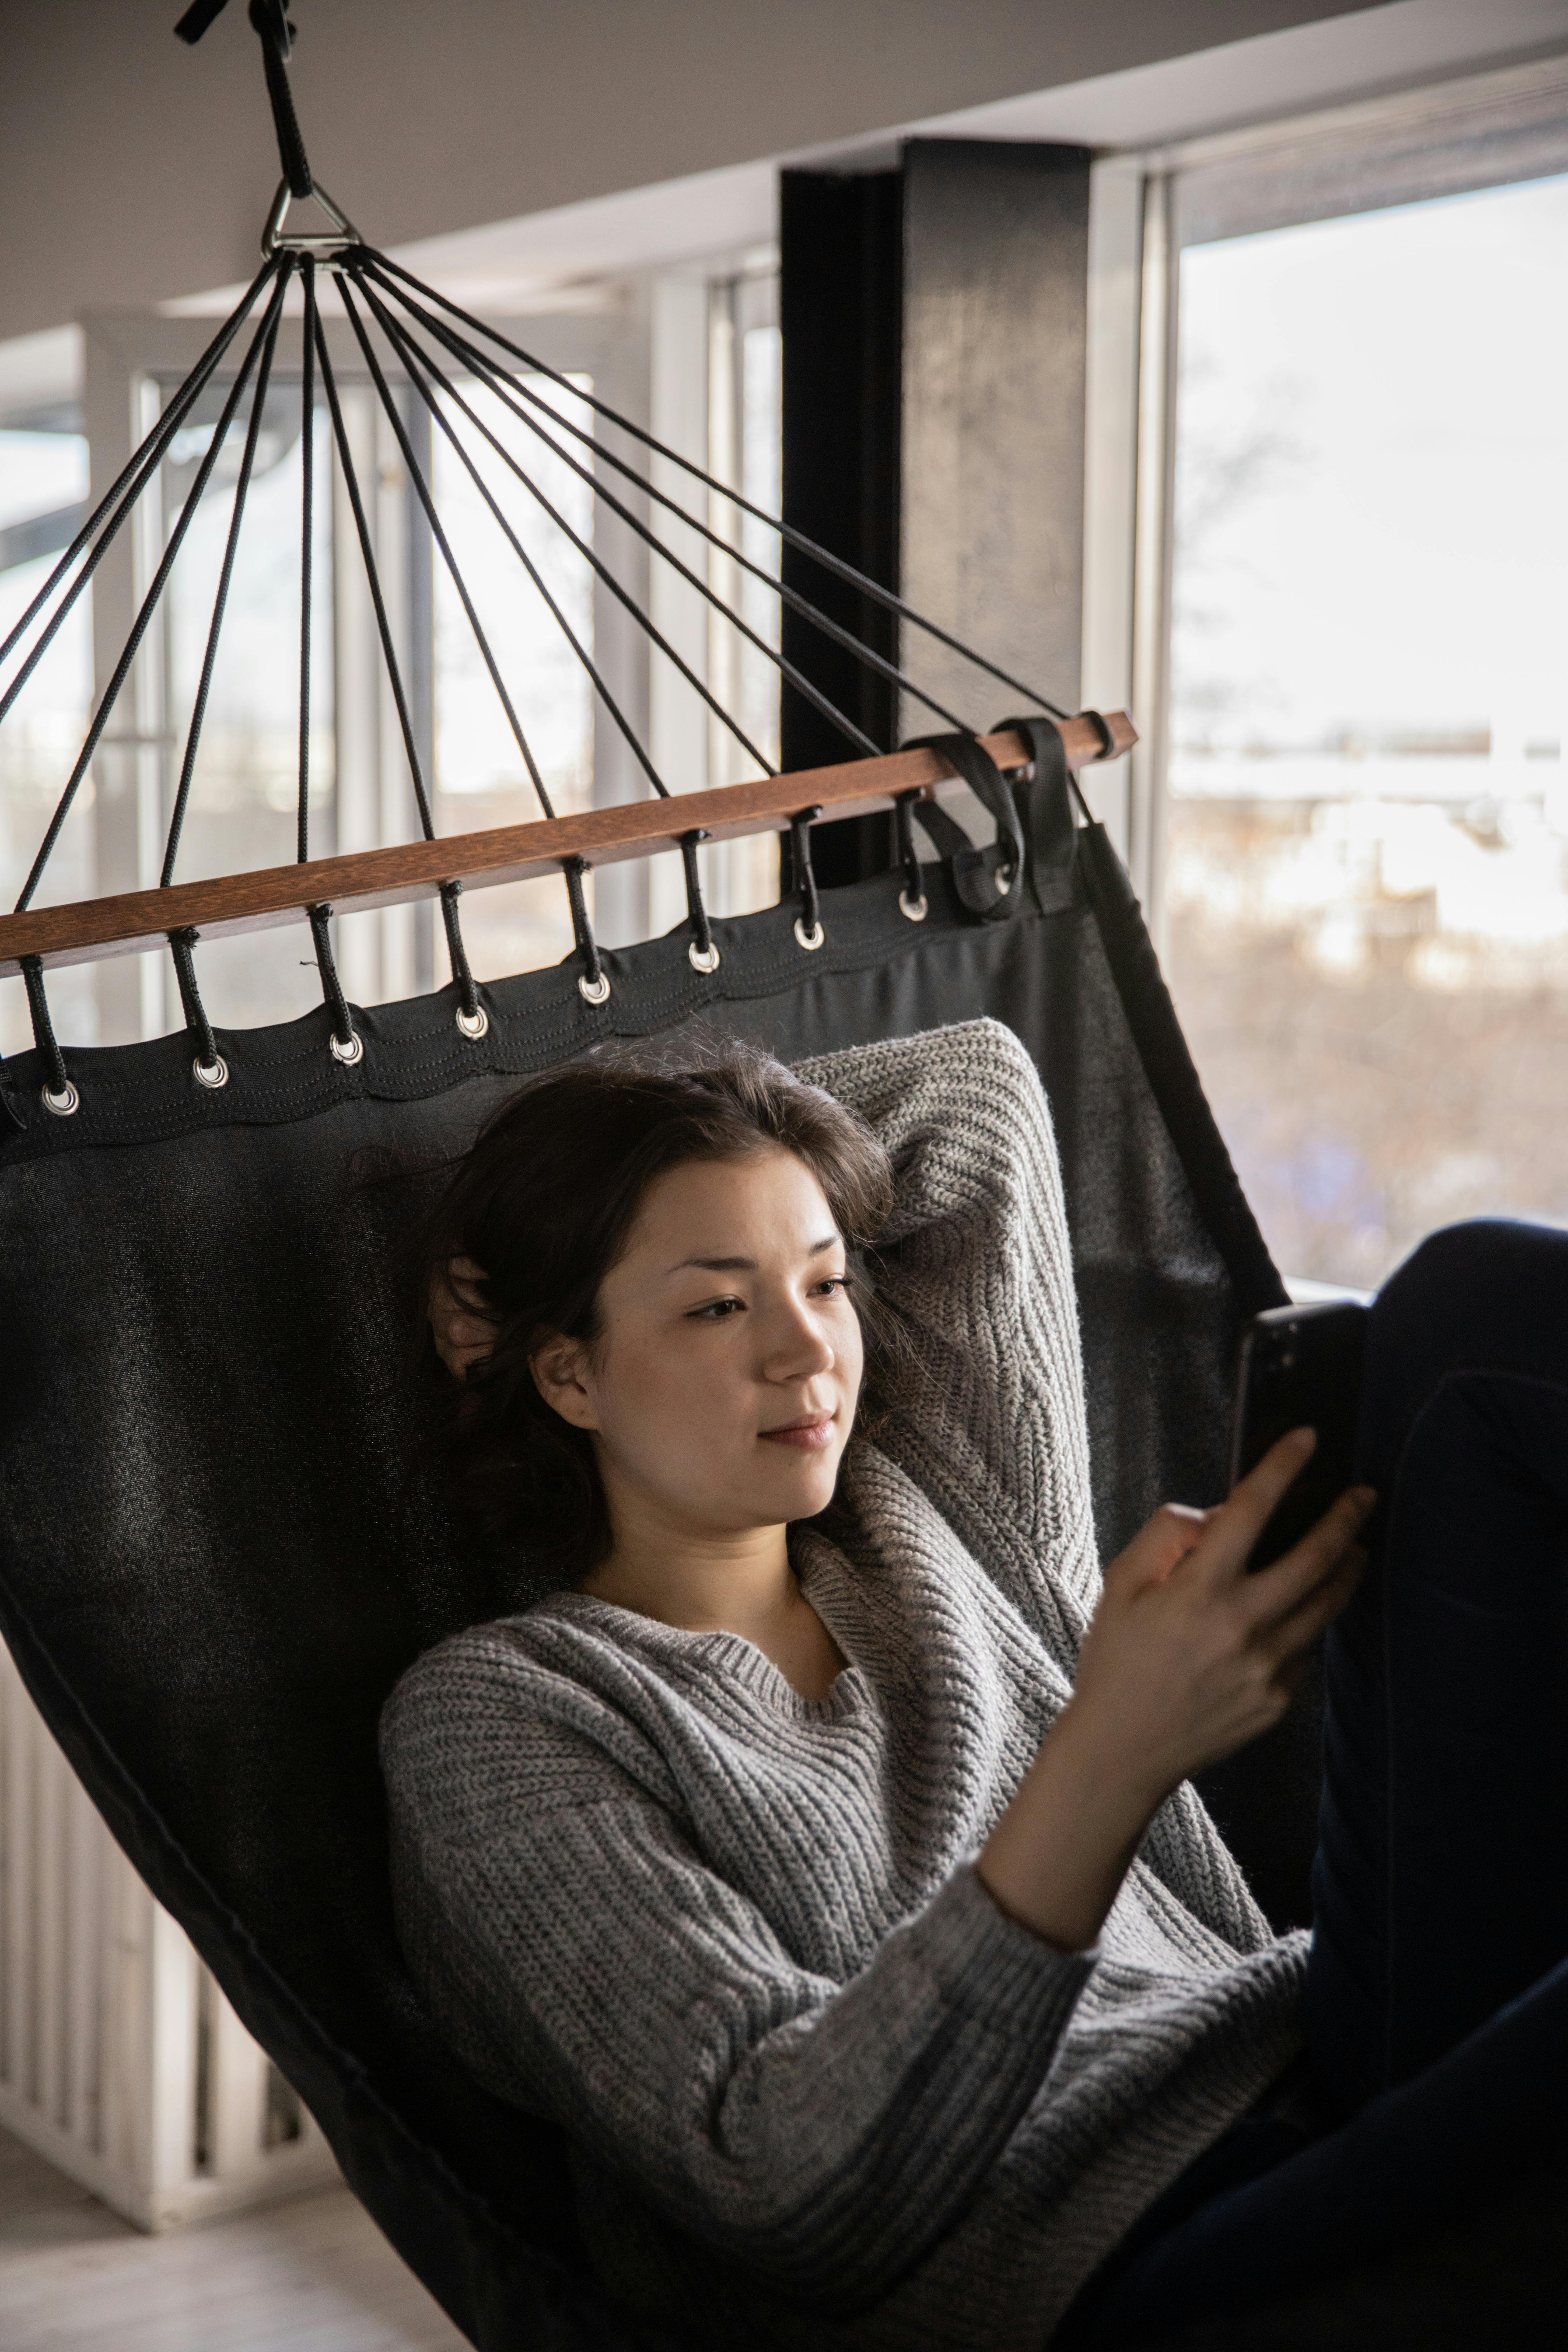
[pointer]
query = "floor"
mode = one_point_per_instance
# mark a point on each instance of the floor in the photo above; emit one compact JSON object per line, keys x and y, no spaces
{"x":311,"y":2275}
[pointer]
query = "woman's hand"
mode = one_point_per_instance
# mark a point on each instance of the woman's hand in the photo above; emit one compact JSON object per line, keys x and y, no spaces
{"x":1189,"y":1657}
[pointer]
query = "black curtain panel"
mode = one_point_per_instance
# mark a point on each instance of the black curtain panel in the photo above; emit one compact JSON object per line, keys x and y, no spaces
{"x":220,"y":1543}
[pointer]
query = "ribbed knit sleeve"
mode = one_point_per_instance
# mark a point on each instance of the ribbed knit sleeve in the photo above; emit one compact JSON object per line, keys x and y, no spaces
{"x":584,"y":1958}
{"x":988,"y":1414}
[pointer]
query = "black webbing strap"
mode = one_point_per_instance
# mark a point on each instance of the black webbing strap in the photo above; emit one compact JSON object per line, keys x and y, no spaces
{"x":347,"y":1043}
{"x":269,"y":21}
{"x":44,"y":1038}
{"x":703,"y":953}
{"x":1047,"y":802}
{"x":989,"y":886}
{"x":181,"y":944}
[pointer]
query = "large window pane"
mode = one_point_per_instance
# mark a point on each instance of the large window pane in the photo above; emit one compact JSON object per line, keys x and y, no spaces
{"x":1367,"y":848}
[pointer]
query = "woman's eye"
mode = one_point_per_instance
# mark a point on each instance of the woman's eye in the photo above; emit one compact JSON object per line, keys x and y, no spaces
{"x":835,"y":1286}
{"x":716,"y":1310}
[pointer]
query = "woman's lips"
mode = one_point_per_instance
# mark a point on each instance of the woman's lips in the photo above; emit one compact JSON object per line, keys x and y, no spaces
{"x":810,"y":1436}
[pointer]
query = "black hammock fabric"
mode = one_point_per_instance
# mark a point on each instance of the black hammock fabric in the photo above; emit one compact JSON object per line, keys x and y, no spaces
{"x":217,"y":1551}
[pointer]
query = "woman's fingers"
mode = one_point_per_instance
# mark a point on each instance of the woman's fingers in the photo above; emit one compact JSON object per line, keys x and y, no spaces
{"x":1275,"y":1592}
{"x":1237,"y":1523}
{"x":1174,"y":1530}
{"x":1292,"y":1636}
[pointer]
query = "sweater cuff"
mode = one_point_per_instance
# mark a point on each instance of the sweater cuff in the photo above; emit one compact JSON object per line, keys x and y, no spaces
{"x":994,"y":1970}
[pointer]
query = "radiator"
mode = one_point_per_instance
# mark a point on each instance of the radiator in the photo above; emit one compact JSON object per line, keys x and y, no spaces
{"x":121,"y":2060}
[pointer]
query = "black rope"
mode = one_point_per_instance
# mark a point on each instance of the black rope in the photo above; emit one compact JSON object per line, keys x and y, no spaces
{"x":808,"y":922}
{"x":372,"y":575}
{"x":182,"y":942}
{"x":594,"y":978}
{"x":702,"y":951}
{"x":143,"y":463}
{"x":914,"y":893}
{"x":468,"y":994}
{"x":791,"y":537}
{"x":220,"y":605}
{"x":332,"y":986}
{"x":584,"y":547}
{"x":160,"y":578}
{"x":415,"y":364}
{"x":43,"y":1038}
{"x":307,"y":546}
{"x":270,"y":20}
{"x":489,"y":373}
{"x":421,"y":490}
{"x":821,"y":621}
{"x":471,"y":1012}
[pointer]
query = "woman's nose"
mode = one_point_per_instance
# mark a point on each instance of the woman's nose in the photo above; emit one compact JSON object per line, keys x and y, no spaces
{"x":797,"y":1347}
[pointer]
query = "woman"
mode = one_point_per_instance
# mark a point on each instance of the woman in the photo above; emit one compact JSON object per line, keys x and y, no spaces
{"x":819,"y":1852}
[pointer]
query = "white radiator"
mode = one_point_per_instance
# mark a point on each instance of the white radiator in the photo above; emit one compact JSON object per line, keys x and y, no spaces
{"x":121,"y":2060}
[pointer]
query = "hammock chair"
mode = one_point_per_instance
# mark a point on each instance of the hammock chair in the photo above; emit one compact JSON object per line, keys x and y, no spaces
{"x":215,"y":1559}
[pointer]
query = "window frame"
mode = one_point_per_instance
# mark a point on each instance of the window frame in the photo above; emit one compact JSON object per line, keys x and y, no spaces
{"x":1489,"y":130}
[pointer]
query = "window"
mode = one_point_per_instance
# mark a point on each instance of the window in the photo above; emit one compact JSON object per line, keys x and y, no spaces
{"x":1328,"y":561}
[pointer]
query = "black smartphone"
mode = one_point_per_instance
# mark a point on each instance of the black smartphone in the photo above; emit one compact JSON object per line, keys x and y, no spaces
{"x":1299,"y":1366}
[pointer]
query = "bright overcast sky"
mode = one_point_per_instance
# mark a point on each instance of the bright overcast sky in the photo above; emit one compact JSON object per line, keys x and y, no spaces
{"x":1401,"y":556}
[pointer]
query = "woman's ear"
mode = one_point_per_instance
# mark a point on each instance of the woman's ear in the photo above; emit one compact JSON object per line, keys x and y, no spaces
{"x":560,"y":1375}
{"x":463,"y":1331}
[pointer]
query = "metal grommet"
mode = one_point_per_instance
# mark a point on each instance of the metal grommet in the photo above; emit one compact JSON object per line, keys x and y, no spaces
{"x":351,"y":1053}
{"x":62,"y":1105}
{"x":702,"y":960}
{"x":595,"y":991}
{"x":917,"y":910}
{"x":811,"y":939}
{"x":475,"y":1025}
{"x":213,"y":1074}
{"x":1003,"y":880}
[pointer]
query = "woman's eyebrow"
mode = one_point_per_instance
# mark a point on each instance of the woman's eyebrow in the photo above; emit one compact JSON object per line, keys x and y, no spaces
{"x":748,"y":1264}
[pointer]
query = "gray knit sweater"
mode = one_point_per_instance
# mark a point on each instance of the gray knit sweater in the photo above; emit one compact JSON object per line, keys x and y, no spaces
{"x":820,"y":2091}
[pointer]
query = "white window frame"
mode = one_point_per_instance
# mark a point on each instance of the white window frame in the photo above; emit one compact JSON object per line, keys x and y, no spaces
{"x":1487,"y":129}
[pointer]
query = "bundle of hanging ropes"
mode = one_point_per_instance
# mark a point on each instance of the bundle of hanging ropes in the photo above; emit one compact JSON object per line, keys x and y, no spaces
{"x":452,"y":363}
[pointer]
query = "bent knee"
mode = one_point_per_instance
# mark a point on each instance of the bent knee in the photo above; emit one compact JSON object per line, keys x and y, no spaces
{"x":1487,"y":1271}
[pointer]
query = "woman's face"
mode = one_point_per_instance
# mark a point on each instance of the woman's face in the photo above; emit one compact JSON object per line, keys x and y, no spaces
{"x":722,"y":1387}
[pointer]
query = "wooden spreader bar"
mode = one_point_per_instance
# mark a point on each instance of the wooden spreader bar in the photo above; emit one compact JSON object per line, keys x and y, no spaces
{"x":92,"y":927}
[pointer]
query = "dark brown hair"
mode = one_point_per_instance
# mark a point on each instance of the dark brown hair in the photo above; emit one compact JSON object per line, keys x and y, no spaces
{"x":544,"y":1201}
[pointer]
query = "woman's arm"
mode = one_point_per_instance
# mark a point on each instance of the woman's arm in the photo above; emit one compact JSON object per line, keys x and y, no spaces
{"x":988,"y":1415}
{"x":1189,"y":1657}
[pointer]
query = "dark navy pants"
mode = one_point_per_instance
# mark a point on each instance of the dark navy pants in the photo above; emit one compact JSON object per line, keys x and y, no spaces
{"x":1436,"y":2069}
